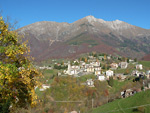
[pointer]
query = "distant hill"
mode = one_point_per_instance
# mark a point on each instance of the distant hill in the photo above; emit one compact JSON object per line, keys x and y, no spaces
{"x":64,"y":40}
{"x":127,"y":105}
{"x":146,"y":58}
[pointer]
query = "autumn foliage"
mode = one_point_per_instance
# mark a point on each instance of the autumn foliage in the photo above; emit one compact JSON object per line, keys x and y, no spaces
{"x":18,"y":77}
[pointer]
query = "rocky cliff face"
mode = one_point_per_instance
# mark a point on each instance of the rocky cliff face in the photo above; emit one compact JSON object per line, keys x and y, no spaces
{"x":57,"y":40}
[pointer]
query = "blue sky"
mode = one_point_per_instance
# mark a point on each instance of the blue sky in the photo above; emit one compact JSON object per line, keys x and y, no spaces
{"x":135,"y":12}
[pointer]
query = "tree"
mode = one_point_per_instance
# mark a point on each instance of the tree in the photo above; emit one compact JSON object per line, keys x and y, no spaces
{"x":95,"y":55}
{"x":82,"y":59}
{"x":111,"y":81}
{"x":128,"y":60}
{"x":126,"y":72}
{"x":135,"y":59}
{"x":18,"y":77}
{"x":105,"y":57}
{"x":76,"y":63}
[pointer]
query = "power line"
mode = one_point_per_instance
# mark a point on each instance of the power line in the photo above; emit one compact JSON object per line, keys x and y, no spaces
{"x":120,"y":106}
{"x":70,"y":101}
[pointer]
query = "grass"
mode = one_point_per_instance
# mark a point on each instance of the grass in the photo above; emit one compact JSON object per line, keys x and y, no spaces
{"x":47,"y":76}
{"x":145,"y":64}
{"x":38,"y":92}
{"x":85,"y":77}
{"x":129,"y":68}
{"x":118,"y":85}
{"x":138,"y":99}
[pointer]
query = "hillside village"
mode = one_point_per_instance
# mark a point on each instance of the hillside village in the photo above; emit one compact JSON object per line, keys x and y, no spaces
{"x":102,"y":67}
{"x":92,"y":76}
{"x":89,"y":81}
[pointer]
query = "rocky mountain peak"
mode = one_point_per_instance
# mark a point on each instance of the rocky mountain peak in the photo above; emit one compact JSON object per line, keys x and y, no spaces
{"x":114,"y":25}
{"x":93,"y":19}
{"x":118,"y":21}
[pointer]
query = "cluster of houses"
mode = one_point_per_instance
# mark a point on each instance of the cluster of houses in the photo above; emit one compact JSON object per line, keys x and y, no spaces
{"x":83,"y":68}
{"x":94,"y":66}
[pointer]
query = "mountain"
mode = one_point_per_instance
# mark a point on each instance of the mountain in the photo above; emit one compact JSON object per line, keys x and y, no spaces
{"x":63,"y":40}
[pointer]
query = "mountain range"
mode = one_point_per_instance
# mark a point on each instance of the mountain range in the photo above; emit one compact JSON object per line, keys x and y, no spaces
{"x":67,"y":40}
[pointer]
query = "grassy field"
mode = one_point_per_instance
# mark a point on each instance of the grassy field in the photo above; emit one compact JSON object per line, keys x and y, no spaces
{"x":139,"y":103}
{"x":47,"y":79}
{"x":145,"y":64}
{"x":118,"y":85}
{"x":85,"y":77}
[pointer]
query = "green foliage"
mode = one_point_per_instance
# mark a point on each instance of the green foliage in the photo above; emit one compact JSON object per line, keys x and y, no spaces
{"x":67,"y":89}
{"x":128,"y":60}
{"x":135,"y":59}
{"x":72,"y":89}
{"x":60,"y":67}
{"x":82,"y":59}
{"x":119,"y":59}
{"x":95,"y":55}
{"x":111,"y":81}
{"x":76,"y":63}
{"x":4,"y":107}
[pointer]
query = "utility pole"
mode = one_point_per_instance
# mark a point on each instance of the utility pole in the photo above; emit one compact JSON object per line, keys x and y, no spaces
{"x":92,"y":102}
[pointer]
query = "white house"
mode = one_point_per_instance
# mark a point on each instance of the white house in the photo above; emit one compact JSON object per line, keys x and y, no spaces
{"x":136,"y":73}
{"x":73,"y":112}
{"x":148,"y":72}
{"x":120,"y":76}
{"x":109,"y":73}
{"x":44,"y":87}
{"x":101,"y":77}
{"x":101,"y":57}
{"x":123,"y":65}
{"x":82,"y":63}
{"x":108,"y":57}
{"x":139,"y":66}
{"x":90,"y":82}
{"x":97,"y":68}
{"x":95,"y":63}
{"x":98,"y":72}
{"x":114,"y":65}
{"x":90,"y":69}
{"x":130,"y":60}
{"x":72,"y":70}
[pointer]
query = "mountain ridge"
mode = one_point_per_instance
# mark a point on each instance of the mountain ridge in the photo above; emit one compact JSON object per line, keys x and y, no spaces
{"x":86,"y":35}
